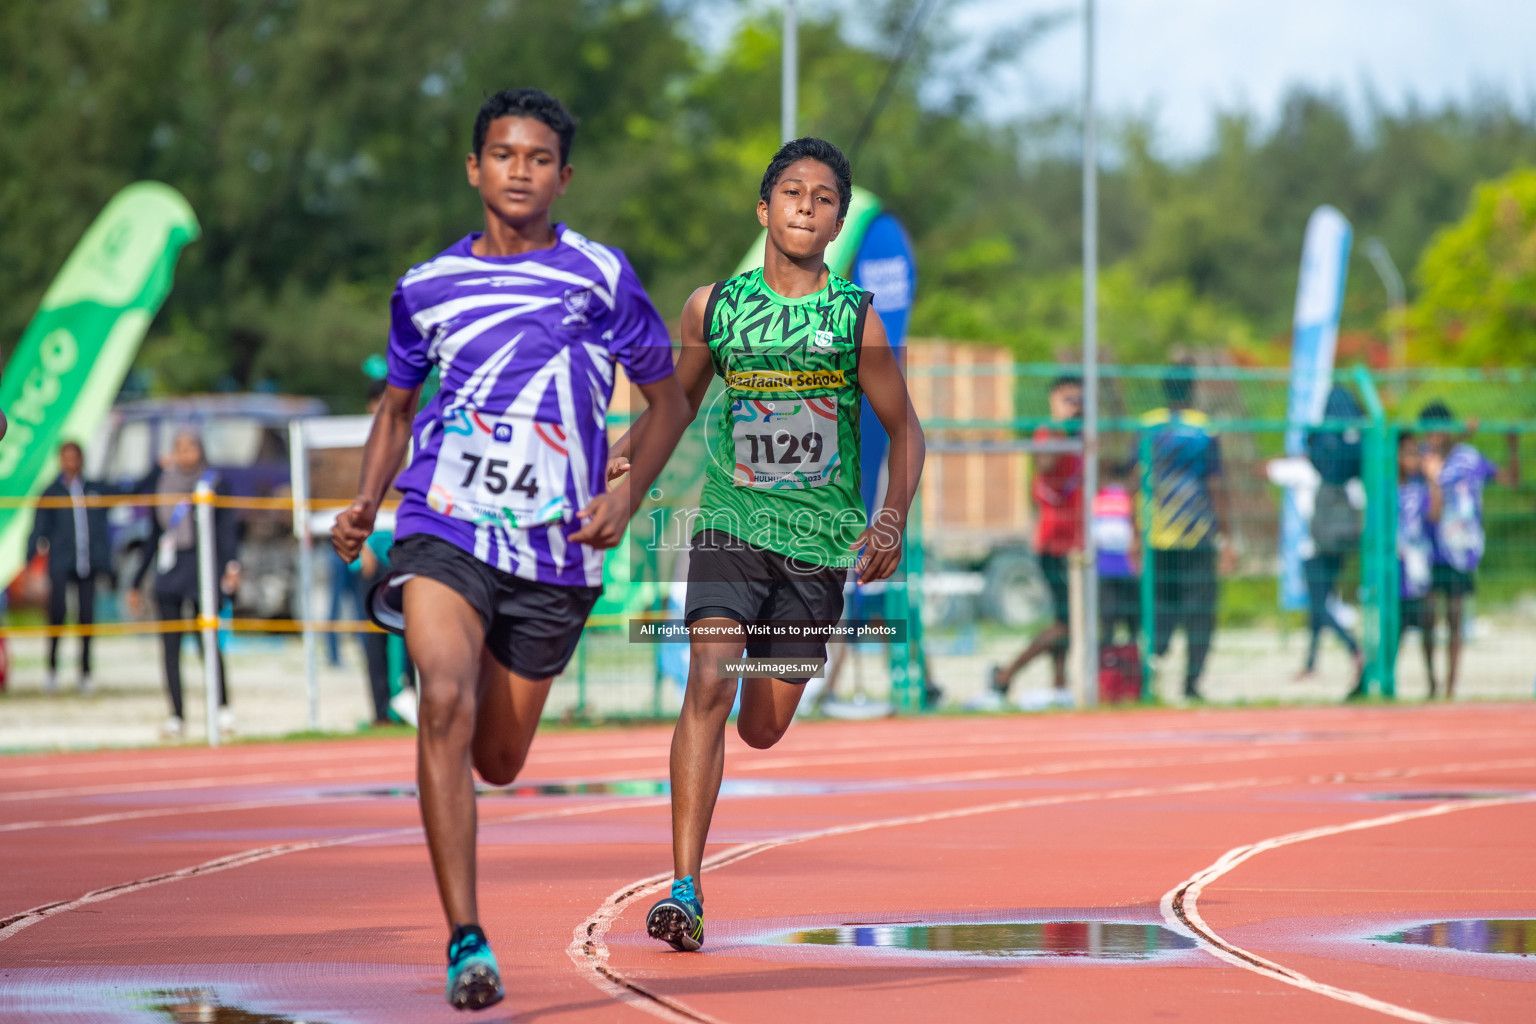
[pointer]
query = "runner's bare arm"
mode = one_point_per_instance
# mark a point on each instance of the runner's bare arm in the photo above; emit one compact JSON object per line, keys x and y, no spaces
{"x":694,"y":372}
{"x":656,"y":433}
{"x":1433,"y":465}
{"x":382,"y":455}
{"x":885,"y":387}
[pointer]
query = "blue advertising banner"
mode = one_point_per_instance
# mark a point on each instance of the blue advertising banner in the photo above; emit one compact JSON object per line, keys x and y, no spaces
{"x":1319,"y":300}
{"x":884,"y":266}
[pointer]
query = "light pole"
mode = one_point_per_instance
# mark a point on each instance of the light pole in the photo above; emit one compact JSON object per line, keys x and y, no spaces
{"x":1090,"y":367}
{"x":791,"y":71}
{"x":1397,"y":300}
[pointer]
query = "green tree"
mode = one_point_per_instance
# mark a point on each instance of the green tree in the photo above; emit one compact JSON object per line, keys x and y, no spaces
{"x":1477,"y":281}
{"x":322,"y":146}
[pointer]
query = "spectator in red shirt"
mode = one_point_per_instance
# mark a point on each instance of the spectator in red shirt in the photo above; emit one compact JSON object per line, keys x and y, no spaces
{"x":1057,"y":489}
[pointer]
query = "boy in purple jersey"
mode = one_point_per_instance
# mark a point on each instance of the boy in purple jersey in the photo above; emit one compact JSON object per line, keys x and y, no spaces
{"x":1418,"y":506}
{"x":499,"y":536}
{"x":1462,"y":472}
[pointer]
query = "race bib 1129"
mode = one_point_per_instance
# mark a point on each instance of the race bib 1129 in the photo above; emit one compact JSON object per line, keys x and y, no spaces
{"x":785,"y":442}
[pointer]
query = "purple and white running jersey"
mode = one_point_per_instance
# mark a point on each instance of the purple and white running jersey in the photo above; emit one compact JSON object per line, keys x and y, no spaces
{"x":1459,"y":533}
{"x":516,"y":443}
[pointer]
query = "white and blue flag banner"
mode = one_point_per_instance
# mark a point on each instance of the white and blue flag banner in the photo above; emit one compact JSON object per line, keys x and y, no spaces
{"x":1319,"y":301}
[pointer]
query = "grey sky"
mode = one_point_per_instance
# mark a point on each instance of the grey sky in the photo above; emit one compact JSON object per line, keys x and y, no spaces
{"x":1178,"y":60}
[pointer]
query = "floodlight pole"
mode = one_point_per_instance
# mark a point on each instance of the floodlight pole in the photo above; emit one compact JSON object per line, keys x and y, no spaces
{"x":788,"y":99}
{"x":1392,"y":281}
{"x":1090,"y":638}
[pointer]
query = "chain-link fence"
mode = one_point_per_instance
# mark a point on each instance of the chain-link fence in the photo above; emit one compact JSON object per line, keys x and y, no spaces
{"x":1207,"y":582}
{"x":1235,"y":546}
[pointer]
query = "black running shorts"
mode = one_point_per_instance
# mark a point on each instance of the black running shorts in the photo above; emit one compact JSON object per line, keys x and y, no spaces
{"x":1446,"y":579}
{"x":530,"y":628}
{"x":731,"y":579}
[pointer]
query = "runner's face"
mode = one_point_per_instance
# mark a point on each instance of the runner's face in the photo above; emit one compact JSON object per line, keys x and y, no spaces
{"x":518,"y":170}
{"x":1408,"y":460}
{"x":801,"y":213}
{"x":1067,"y":402}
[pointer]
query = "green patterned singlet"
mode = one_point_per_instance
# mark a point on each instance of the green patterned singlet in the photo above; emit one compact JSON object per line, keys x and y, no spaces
{"x":783,"y":437}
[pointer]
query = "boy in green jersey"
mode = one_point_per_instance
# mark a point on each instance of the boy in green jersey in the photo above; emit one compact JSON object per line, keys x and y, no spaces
{"x":781,"y":520}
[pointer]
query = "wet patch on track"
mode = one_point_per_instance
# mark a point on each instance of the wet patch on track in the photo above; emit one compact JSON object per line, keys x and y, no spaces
{"x":610,"y":788}
{"x":1502,"y":936}
{"x":1093,"y":940}
{"x":202,"y":1006}
{"x":1437,"y":796}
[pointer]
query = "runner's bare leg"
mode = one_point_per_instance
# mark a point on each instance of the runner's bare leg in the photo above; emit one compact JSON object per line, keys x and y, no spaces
{"x":767,"y":709}
{"x":510,"y":707}
{"x":446,"y":641}
{"x":698,"y":745}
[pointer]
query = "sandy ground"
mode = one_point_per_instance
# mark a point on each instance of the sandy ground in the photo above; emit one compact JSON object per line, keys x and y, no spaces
{"x":269,"y":695}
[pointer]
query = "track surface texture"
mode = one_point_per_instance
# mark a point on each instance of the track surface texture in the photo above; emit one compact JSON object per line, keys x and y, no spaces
{"x":1269,"y":849}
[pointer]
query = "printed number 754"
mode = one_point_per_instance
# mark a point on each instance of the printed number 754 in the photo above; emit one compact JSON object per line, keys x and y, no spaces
{"x":495,"y":475}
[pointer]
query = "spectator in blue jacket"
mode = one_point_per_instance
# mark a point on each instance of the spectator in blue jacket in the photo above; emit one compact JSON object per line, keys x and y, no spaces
{"x":79,"y":551}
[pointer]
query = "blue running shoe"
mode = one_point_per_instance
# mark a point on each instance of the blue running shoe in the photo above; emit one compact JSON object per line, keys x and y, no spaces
{"x":678,"y":920}
{"x":474,"y":979}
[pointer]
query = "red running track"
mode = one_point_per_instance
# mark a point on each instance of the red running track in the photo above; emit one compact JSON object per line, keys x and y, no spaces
{"x":289,"y":882}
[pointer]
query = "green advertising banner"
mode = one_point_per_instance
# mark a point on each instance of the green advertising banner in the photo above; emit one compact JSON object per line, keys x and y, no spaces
{"x":71,"y":361}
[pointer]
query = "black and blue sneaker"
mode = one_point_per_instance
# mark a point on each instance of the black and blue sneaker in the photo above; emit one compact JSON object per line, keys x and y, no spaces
{"x":678,"y":920}
{"x":474,"y":979}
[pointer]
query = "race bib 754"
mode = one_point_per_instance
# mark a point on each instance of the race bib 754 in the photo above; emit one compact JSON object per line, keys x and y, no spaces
{"x":509,"y":470}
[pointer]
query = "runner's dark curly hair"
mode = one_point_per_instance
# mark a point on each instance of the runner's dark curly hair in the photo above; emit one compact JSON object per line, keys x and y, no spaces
{"x":531,"y":103}
{"x":819,"y":150}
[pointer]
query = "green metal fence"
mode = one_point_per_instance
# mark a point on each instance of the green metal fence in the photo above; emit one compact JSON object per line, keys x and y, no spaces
{"x":1257,"y":647}
{"x":969,"y":607}
{"x":1256,"y":640}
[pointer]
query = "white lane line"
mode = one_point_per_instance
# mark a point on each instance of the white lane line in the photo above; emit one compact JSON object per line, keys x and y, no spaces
{"x":1058,"y":768}
{"x":15,"y":923}
{"x":185,"y":759}
{"x":1181,"y":909}
{"x":865,"y":785}
{"x":67,"y":765}
{"x":291,"y":778}
{"x":191,"y":758}
{"x":588,"y":949}
{"x":906,"y":753}
{"x":157,"y":812}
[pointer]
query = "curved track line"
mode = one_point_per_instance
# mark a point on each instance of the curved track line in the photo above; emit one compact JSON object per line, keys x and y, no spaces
{"x":1181,"y":911}
{"x":588,"y":949}
{"x":9,"y":926}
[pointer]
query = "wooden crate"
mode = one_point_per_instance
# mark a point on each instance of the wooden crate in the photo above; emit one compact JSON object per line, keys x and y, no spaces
{"x":969,"y":498}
